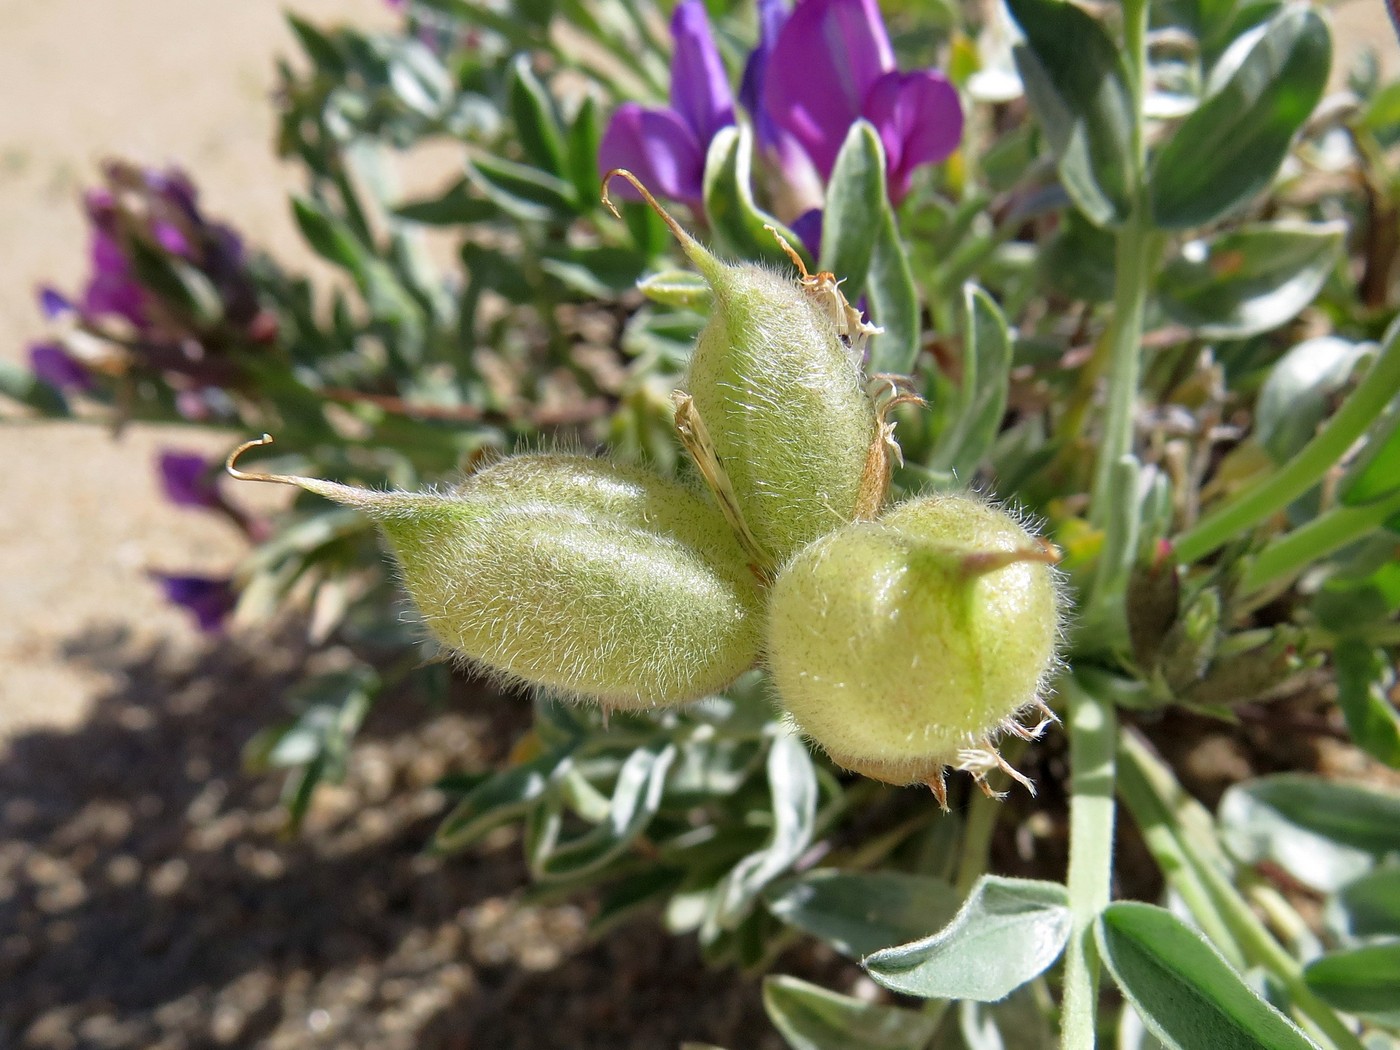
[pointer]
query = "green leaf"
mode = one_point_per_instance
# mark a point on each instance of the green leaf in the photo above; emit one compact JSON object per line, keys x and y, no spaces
{"x":536,"y":119}
{"x":1298,"y":393}
{"x":858,"y":913}
{"x":1007,"y":932}
{"x":1186,"y":993}
{"x":981,"y":399}
{"x":1322,"y":833}
{"x":419,"y":80}
{"x":681,"y":288}
{"x":792,"y":785}
{"x":737,"y":222}
{"x":635,"y":799}
{"x":855,"y":199}
{"x":1382,"y":113}
{"x":1078,"y":261}
{"x":602,"y":272}
{"x":1364,"y":677}
{"x":1249,"y":280}
{"x":1363,"y":981}
{"x":520,"y":190}
{"x":23,"y":386}
{"x":334,"y":707}
{"x":813,"y":1018}
{"x":634,"y":894}
{"x":506,"y":796}
{"x":1077,"y":85}
{"x":583,"y":140}
{"x":1368,"y":907}
{"x":1018,"y":1022}
{"x":894,"y":302}
{"x":457,"y":206}
{"x":1229,"y":149}
{"x":328,"y":237}
{"x":1376,"y":473}
{"x":319,"y":47}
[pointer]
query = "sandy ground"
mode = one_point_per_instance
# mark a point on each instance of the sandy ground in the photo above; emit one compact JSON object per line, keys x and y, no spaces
{"x":81,"y":520}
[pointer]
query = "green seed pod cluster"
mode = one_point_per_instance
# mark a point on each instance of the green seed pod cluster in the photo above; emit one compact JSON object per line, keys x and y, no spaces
{"x":574,"y":575}
{"x":905,"y":645}
{"x":902,"y":641}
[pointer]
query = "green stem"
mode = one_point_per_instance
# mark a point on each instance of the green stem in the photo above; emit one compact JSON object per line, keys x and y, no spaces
{"x":1149,"y":790}
{"x":1092,"y":743}
{"x":1135,"y":259}
{"x":1162,"y":830}
{"x":1289,"y":555}
{"x":1303,"y":471}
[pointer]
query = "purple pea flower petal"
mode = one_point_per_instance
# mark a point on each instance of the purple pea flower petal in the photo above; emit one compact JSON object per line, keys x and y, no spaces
{"x":920,"y":121}
{"x":53,"y":303}
{"x":172,"y":239}
{"x":827,"y":57}
{"x":58,"y":368}
{"x":659,"y":148}
{"x":772,"y":16}
{"x":209,"y":599}
{"x":112,"y":289}
{"x":700,"y":92}
{"x":808,"y":227}
{"x":186,"y":480}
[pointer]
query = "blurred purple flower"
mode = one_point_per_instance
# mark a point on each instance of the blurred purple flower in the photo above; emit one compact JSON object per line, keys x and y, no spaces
{"x":112,"y":287}
{"x":208,"y":599}
{"x":665,"y":147}
{"x":832,"y":65}
{"x":187,"y":480}
{"x":58,"y":368}
{"x":53,"y":303}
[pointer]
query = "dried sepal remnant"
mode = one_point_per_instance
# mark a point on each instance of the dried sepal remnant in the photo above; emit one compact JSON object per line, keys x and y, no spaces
{"x":824,"y":289}
{"x":908,"y":645}
{"x":572,"y":574}
{"x":884,"y":453}
{"x":695,"y":437}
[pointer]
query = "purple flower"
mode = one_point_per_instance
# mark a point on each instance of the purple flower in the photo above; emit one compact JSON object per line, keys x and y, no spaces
{"x":53,"y":303}
{"x":58,"y":368}
{"x":187,"y":481}
{"x":832,"y":65}
{"x":112,"y":288}
{"x":665,"y":147}
{"x":209,"y":599}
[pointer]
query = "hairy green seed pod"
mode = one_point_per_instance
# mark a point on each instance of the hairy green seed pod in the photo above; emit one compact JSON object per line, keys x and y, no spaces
{"x":775,"y":409}
{"x":905,"y":645}
{"x":574,"y":575}
{"x":785,"y":406}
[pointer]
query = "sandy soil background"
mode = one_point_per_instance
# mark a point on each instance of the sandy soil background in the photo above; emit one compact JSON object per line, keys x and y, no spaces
{"x":81,"y":520}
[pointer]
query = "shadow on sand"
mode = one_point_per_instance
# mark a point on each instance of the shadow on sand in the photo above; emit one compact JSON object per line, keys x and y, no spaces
{"x":148,"y":899}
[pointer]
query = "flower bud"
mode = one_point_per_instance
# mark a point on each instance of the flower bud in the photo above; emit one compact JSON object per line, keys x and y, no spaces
{"x":573,"y":575}
{"x":775,"y":409}
{"x":907,"y":644}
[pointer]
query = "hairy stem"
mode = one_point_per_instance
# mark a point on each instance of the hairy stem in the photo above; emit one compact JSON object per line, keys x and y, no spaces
{"x":1093,"y":744}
